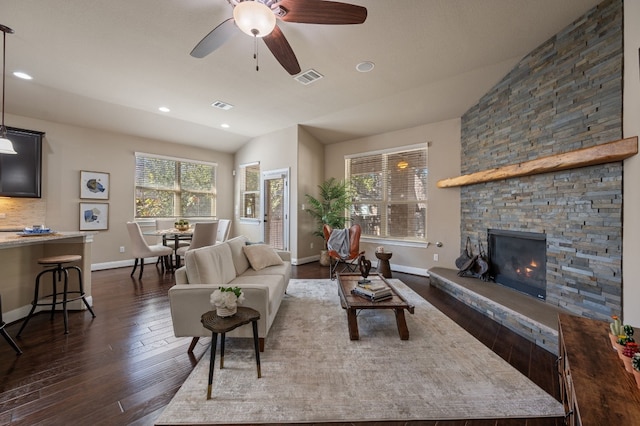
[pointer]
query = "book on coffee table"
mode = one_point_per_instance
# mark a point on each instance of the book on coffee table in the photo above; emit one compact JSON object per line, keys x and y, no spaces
{"x":373,"y":286}
{"x":373,"y":295}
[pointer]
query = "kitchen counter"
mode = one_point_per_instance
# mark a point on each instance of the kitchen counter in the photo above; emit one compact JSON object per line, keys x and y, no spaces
{"x":19,"y":266}
{"x":13,"y":239}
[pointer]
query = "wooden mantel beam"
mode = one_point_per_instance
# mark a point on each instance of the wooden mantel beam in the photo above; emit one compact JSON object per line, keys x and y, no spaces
{"x":598,"y":154}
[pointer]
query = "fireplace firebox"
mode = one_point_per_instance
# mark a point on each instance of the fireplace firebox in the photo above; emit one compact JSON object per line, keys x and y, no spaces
{"x":519,"y":260}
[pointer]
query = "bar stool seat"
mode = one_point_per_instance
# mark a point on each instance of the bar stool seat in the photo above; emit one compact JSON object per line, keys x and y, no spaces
{"x":59,"y":265}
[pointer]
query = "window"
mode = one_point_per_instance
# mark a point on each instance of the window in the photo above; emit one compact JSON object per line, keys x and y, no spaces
{"x":173,"y":187}
{"x":250,"y":190}
{"x":390,"y":190}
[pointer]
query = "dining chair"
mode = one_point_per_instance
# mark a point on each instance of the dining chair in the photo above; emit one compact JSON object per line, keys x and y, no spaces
{"x":224,"y":227}
{"x":141,"y":249}
{"x":204,"y":234}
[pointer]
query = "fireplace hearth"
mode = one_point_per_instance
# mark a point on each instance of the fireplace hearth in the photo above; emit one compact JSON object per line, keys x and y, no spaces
{"x":519,"y":260}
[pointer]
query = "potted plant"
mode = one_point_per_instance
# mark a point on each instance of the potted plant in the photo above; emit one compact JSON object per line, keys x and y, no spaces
{"x":630,"y":349}
{"x":635,"y":362}
{"x":624,"y":339}
{"x":226,"y":299}
{"x":330,"y":208}
{"x":616,"y":330}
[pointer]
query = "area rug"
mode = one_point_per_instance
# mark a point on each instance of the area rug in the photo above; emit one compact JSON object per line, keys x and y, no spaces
{"x":312,"y":372}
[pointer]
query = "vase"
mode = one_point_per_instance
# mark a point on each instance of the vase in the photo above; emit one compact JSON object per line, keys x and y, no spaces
{"x":226,"y":312}
{"x":325,"y":259}
{"x":636,"y":374}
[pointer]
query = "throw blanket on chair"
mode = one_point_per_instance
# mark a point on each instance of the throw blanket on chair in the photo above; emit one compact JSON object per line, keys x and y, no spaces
{"x":339,"y":241}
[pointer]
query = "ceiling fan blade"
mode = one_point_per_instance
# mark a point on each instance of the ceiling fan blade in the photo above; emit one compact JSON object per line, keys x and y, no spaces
{"x":216,"y":38}
{"x":323,"y":12}
{"x":281,"y":49}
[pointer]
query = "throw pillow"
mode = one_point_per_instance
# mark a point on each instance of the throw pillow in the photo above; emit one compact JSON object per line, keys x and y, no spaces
{"x":261,"y":255}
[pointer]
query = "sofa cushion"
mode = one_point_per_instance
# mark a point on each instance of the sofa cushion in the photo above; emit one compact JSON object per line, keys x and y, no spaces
{"x":283,"y":270}
{"x":240,"y":261}
{"x":261,"y":255}
{"x":274,"y":283}
{"x":209,"y":265}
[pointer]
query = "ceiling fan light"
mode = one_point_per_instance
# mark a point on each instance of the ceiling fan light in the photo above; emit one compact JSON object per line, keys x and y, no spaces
{"x":254,"y":18}
{"x":6,"y":147}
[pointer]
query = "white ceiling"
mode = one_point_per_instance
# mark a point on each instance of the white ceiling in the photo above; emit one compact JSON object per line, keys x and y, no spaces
{"x":111,"y":64}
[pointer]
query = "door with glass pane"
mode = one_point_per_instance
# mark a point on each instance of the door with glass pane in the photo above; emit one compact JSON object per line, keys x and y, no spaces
{"x":276,"y":208}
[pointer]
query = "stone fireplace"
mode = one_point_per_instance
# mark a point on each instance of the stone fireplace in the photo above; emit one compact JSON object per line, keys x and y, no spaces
{"x":563,"y":97}
{"x":556,"y":100}
{"x":518,"y":260}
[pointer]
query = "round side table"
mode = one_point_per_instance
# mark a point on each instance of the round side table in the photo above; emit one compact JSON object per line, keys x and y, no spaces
{"x":221,"y":325}
{"x":383,"y":263}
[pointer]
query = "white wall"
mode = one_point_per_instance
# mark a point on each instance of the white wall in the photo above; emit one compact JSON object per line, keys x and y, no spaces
{"x":631,"y":196}
{"x":311,"y":174}
{"x":443,"y":216}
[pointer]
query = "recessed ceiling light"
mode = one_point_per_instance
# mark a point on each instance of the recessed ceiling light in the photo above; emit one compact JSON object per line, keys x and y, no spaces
{"x":164,"y":109}
{"x":365,"y":66}
{"x":225,"y":126}
{"x":22,"y":75}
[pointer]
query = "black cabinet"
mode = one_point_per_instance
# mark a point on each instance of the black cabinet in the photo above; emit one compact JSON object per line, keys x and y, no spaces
{"x":21,"y":173}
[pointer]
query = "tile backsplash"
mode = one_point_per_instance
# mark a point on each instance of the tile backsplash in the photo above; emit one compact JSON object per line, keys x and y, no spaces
{"x":20,"y":212}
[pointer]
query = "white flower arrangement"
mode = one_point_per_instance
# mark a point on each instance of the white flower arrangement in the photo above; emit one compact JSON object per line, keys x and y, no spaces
{"x":227,"y":297}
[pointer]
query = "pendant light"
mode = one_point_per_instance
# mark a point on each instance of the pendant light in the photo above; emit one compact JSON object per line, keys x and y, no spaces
{"x":6,"y":147}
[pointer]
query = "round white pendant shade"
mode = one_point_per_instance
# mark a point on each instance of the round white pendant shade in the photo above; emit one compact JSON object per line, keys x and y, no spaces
{"x":254,"y":18}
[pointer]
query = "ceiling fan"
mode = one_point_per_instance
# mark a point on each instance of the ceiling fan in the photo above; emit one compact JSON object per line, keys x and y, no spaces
{"x":258,"y":19}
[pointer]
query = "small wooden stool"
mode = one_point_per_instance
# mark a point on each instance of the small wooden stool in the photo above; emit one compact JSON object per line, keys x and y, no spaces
{"x":211,"y":321}
{"x":383,"y":263}
{"x":59,"y":269}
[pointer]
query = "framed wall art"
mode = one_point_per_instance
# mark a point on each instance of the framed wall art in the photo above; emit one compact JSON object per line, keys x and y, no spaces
{"x":94,"y":185}
{"x":94,"y":216}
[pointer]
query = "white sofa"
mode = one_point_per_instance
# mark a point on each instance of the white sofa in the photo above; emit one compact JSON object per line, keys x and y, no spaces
{"x":229,"y":264}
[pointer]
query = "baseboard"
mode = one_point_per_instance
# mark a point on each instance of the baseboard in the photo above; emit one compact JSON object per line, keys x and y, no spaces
{"x":294,"y":261}
{"x":303,"y":260}
{"x":120,"y":264}
{"x":19,"y":314}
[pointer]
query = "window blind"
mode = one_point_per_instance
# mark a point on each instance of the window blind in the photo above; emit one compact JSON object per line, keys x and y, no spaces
{"x":390,"y":190}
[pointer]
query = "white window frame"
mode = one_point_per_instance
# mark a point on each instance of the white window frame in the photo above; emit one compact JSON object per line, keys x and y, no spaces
{"x":257,"y":194}
{"x":385,"y":202}
{"x":177,"y":205}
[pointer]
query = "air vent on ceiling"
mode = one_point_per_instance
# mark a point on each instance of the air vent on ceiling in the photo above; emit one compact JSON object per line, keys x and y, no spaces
{"x":222,"y":105}
{"x":308,"y":77}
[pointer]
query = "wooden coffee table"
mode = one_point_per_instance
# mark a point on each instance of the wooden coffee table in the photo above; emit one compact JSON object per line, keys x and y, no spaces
{"x":353,"y":303}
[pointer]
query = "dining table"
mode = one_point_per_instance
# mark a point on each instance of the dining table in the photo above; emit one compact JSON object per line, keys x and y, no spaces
{"x":172,"y":234}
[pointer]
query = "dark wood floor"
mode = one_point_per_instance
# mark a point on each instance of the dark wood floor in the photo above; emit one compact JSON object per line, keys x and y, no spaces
{"x":124,"y":366}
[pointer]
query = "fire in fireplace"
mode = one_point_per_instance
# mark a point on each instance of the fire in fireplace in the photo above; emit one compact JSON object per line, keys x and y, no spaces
{"x":519,"y":260}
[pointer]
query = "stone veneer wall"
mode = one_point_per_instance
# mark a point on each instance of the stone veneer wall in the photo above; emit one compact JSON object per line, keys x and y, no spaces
{"x":565,"y":95}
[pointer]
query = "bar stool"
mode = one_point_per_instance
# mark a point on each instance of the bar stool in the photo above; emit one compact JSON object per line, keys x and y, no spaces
{"x":59,"y":269}
{"x":5,"y":334}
